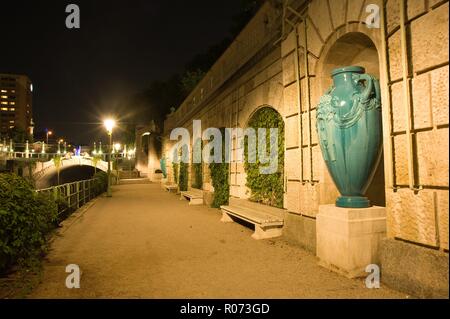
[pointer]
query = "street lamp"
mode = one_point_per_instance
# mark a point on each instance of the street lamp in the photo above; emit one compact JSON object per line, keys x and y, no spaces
{"x":109,"y":125}
{"x":117,"y":148}
{"x":48,"y":134}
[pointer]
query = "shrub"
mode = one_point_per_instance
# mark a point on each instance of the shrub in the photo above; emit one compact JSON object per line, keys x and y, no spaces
{"x":25,"y":219}
{"x":101,"y":183}
{"x":64,"y":210}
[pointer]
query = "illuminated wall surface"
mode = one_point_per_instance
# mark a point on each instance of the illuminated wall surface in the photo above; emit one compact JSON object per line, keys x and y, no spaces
{"x":408,"y":53}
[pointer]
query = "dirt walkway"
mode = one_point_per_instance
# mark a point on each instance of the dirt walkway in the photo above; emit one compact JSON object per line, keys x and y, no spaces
{"x":145,"y":243}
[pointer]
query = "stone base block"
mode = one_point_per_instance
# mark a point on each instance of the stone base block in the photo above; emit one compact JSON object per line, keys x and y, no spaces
{"x":226,"y":218}
{"x":196,"y":201}
{"x":163,"y":182}
{"x":267,"y":232}
{"x":300,"y":230}
{"x":348,"y":239}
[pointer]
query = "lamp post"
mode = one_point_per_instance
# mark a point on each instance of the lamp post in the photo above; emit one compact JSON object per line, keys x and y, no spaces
{"x":109,"y":125}
{"x":48,"y":134}
{"x":117,"y":148}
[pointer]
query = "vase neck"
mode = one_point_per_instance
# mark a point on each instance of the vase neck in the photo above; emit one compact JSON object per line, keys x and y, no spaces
{"x":343,"y":79}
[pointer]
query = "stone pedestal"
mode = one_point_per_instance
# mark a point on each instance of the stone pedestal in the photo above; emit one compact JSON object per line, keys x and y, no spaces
{"x":348,"y":239}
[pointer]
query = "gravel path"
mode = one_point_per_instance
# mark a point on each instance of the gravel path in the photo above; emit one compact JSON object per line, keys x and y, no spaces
{"x":146,"y":243}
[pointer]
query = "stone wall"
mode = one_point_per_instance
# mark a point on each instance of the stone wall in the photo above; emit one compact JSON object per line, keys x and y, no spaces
{"x":245,"y":78}
{"x":408,"y":53}
{"x":418,"y":200}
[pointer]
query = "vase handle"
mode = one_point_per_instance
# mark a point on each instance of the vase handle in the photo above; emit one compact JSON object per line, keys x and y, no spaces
{"x":366,"y":94}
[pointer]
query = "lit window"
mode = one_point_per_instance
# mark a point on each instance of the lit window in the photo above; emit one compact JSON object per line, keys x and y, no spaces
{"x":11,"y":126}
{"x":12,"y":103}
{"x":12,"y":122}
{"x":4,"y":91}
{"x":4,"y":96}
{"x":12,"y":109}
{"x":4,"y":103}
{"x":4,"y":109}
{"x":13,"y":91}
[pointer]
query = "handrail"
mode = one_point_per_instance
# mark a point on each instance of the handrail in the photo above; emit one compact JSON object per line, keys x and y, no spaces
{"x":75,"y":194}
{"x":63,"y":185}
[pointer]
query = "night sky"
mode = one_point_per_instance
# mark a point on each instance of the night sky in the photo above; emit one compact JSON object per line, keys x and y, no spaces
{"x":80,"y":74}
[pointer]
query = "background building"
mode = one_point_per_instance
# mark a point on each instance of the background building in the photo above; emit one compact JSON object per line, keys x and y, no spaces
{"x":16,"y":103}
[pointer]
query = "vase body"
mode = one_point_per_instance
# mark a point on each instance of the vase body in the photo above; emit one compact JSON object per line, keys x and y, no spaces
{"x":349,"y":128}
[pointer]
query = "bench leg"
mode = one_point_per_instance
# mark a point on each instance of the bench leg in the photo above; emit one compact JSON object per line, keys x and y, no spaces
{"x":196,"y":201}
{"x":268,"y":232}
{"x":226,"y":218}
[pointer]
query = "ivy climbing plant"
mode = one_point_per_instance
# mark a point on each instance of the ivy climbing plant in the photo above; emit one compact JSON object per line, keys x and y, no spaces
{"x":197,"y":181}
{"x":266,"y":188}
{"x":219,"y":178}
{"x":175,"y":166}
{"x":184,"y":172}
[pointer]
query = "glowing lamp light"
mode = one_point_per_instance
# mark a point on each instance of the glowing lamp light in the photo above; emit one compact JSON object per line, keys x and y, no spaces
{"x":109,"y":125}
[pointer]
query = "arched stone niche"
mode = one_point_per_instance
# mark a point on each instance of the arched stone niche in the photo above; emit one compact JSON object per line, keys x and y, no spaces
{"x":354,"y":48}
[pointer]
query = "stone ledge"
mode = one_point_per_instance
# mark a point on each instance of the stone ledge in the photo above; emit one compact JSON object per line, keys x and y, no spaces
{"x":419,"y":271}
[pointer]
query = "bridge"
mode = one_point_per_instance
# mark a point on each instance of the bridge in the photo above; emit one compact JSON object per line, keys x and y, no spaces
{"x":49,"y":167}
{"x":40,"y":165}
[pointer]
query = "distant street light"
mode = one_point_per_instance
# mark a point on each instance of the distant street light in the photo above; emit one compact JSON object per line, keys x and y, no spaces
{"x":109,"y":125}
{"x":48,"y":134}
{"x":117,"y":148}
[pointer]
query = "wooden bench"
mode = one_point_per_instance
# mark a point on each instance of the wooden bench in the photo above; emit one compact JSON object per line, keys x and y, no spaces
{"x":268,"y":220}
{"x":195,"y":197}
{"x":171,"y":188}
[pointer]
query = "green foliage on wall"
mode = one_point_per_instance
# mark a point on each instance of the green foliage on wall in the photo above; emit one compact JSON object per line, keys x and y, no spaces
{"x":266,"y":188}
{"x":184,"y":177}
{"x":197,"y":168}
{"x":175,"y":167}
{"x":219,"y":177}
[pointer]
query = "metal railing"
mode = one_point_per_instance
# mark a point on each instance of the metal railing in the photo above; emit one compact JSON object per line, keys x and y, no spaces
{"x":74,"y":194}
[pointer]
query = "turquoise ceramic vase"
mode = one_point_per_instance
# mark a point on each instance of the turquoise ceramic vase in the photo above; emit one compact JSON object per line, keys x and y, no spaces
{"x":350,"y":133}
